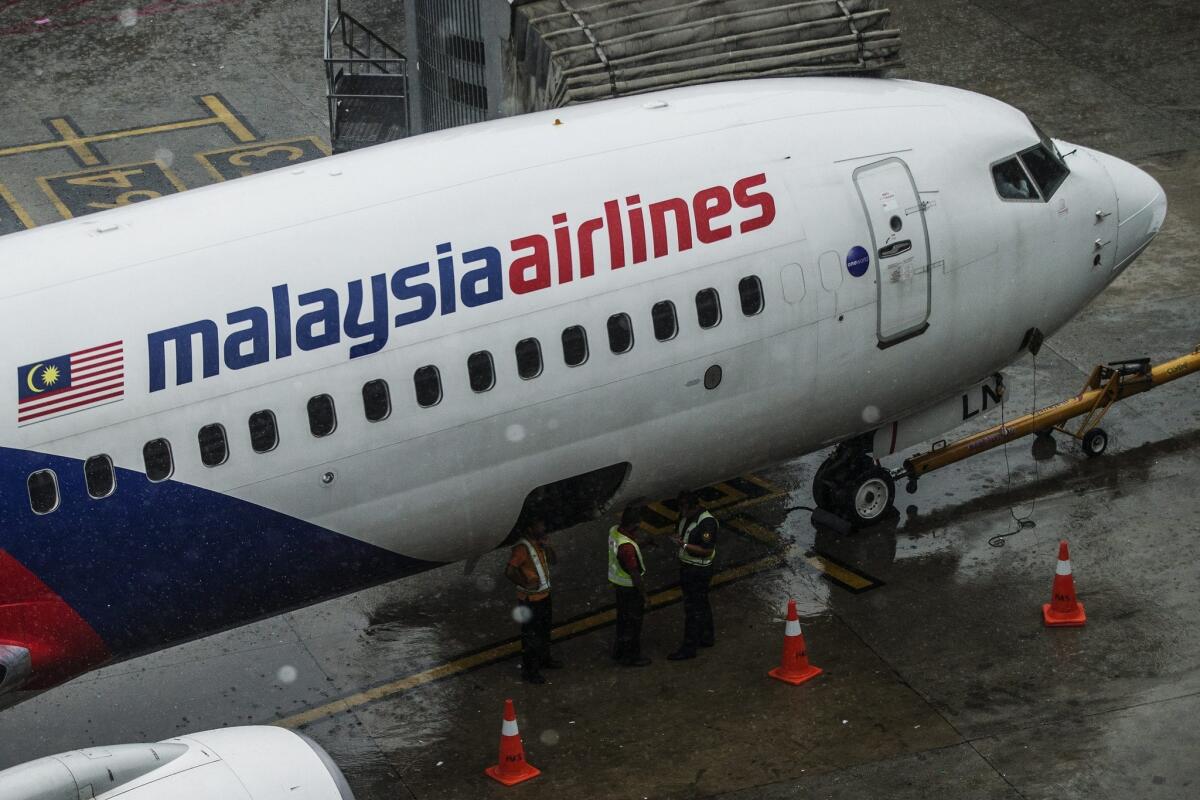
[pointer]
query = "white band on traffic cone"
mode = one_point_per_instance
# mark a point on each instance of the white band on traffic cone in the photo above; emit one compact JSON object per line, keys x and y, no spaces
{"x":792,"y":628}
{"x":1063,"y":568}
{"x":509,"y":728}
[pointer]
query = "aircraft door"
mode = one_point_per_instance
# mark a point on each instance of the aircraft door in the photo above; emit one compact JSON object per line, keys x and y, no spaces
{"x":900,"y":248}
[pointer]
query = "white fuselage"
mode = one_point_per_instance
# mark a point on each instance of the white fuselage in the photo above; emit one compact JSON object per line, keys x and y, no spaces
{"x":783,"y":180}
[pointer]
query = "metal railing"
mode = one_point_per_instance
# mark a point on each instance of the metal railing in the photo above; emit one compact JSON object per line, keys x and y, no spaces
{"x":367,"y":82}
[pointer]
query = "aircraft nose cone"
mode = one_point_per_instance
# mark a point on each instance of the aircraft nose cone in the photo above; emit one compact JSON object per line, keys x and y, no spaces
{"x":1141,"y":207}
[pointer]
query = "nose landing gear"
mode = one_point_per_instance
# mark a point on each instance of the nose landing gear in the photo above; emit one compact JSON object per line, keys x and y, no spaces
{"x":853,"y":486}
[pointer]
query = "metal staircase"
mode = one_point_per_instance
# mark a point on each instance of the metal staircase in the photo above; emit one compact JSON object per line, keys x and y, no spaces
{"x":367,"y":83}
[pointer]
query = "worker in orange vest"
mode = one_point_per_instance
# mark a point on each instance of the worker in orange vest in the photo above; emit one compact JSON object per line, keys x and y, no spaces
{"x":529,"y":568}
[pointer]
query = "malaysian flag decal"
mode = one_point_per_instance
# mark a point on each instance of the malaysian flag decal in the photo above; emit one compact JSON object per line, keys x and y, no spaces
{"x":77,"y":381}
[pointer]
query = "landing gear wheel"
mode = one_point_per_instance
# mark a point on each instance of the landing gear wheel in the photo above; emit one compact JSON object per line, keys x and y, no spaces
{"x":870,"y":497}
{"x":824,"y":489}
{"x":1095,"y":442}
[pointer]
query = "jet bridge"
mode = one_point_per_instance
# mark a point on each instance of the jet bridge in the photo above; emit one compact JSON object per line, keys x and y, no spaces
{"x":465,"y":61}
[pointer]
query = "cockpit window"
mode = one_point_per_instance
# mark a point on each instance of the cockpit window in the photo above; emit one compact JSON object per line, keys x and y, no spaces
{"x":1046,"y":167}
{"x":1011,"y":181}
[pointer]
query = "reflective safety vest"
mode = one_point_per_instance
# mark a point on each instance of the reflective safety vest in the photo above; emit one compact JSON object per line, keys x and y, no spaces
{"x":616,"y":573}
{"x":686,"y":534}
{"x":543,"y":574}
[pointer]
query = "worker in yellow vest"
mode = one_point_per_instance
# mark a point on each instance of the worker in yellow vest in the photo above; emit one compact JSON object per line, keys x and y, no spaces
{"x":625,"y":572}
{"x":696,"y":533}
{"x":529,"y":568}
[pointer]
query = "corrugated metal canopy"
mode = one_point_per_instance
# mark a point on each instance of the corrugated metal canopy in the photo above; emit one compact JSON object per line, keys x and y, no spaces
{"x":571,"y":51}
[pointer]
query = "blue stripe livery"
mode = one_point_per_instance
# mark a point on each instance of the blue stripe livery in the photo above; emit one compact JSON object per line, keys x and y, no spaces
{"x":159,"y":563}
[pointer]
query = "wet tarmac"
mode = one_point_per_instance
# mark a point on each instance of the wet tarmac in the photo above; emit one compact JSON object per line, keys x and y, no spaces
{"x":939,"y":676}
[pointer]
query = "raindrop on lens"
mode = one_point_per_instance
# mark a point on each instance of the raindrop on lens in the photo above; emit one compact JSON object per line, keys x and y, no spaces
{"x":515,"y":432}
{"x":549,"y":736}
{"x":521,"y":614}
{"x":128,"y":17}
{"x":164,"y":155}
{"x":870,"y":414}
{"x":287,"y":674}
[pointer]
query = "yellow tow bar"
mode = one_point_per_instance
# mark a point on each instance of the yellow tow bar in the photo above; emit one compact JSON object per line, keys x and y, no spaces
{"x":1106,"y":386}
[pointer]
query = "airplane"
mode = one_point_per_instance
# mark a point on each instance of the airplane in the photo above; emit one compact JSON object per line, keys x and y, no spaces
{"x":258,"y":395}
{"x":245,"y":763}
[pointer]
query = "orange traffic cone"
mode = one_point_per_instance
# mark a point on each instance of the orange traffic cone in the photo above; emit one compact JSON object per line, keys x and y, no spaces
{"x":1064,"y":609}
{"x":793,"y":666}
{"x":513,"y":768}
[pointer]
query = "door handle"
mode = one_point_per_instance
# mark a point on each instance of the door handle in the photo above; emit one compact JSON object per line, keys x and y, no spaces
{"x":895,"y":249}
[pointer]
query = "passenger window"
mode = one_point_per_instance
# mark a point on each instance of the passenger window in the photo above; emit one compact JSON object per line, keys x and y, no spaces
{"x":666,"y":324}
{"x":322,"y":416}
{"x":43,"y":491}
{"x":1047,"y":169}
{"x":620,"y":333}
{"x":529,"y":358}
{"x":575,"y":348}
{"x":708,"y":308}
{"x":428,"y":383}
{"x":1011,"y":181}
{"x":264,"y":433}
{"x":214,"y":450}
{"x":377,"y":400}
{"x":99,"y":476}
{"x":481,"y":369}
{"x":156,"y":453}
{"x":751,"y":292}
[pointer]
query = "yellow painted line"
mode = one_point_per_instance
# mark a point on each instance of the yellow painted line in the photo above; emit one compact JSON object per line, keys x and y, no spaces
{"x":12,"y":203}
{"x":848,"y":578}
{"x":227,"y":118}
{"x":44,"y":181}
{"x":754,"y":530}
{"x":729,"y":496}
{"x":843,"y":575}
{"x":71,"y":139}
{"x":221,"y":115}
{"x":260,"y":148}
{"x":502,"y":651}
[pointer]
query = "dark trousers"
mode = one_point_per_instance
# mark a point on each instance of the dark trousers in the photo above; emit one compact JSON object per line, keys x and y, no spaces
{"x":630,"y":610}
{"x":697,"y":613}
{"x":535,"y":635}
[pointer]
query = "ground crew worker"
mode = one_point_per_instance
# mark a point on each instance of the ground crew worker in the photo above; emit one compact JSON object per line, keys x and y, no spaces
{"x":529,"y":569}
{"x":625,"y":571}
{"x":696,"y":532}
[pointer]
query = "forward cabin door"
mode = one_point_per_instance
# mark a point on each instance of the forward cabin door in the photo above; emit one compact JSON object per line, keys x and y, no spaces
{"x":900,"y":248}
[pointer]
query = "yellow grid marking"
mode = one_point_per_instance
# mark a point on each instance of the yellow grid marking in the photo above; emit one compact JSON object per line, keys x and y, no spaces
{"x":277,"y":145}
{"x":501,"y":651}
{"x":754,"y":530}
{"x":71,"y":139}
{"x":66,"y":213}
{"x":12,"y":203}
{"x":840,"y":574}
{"x":221,"y":115}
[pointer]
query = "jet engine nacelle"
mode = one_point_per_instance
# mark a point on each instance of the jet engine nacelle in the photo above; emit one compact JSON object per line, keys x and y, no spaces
{"x":16,"y":666}
{"x":250,"y":763}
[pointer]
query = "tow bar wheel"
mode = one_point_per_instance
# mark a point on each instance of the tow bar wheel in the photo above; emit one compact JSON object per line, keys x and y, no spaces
{"x":1095,"y":442}
{"x":874,"y":494}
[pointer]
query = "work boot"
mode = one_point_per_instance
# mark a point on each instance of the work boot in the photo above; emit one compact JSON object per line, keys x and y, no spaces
{"x":552,"y":663}
{"x":682,"y":654}
{"x":640,"y":661}
{"x":532,"y":677}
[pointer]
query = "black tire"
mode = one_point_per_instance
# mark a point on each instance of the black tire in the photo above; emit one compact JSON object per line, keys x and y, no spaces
{"x":1095,"y":442}
{"x":869,"y":498}
{"x":824,"y":491}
